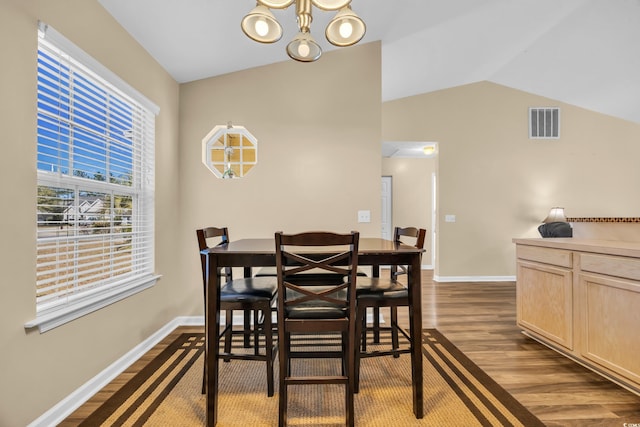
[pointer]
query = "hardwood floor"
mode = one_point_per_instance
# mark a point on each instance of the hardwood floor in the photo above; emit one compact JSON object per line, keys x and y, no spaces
{"x":480,"y":319}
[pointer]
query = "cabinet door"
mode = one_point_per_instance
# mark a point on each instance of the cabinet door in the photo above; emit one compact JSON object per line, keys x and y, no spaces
{"x":609,"y":312}
{"x":544,"y":298}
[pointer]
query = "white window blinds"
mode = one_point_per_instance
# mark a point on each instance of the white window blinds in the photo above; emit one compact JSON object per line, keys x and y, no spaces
{"x":95,"y":196}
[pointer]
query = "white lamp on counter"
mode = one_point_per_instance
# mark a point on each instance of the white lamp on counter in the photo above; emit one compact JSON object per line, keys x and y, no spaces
{"x":555,"y":224}
{"x":555,"y":215}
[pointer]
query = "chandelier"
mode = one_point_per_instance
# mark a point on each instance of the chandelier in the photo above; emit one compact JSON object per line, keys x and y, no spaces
{"x":345,"y":29}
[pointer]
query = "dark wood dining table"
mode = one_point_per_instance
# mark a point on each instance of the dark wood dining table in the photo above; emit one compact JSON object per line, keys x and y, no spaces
{"x":250,"y":253}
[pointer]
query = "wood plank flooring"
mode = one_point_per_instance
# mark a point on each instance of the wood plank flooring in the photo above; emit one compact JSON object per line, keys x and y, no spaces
{"x":480,"y":319}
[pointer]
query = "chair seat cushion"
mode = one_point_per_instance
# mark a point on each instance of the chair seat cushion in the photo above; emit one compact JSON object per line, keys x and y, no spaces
{"x":316,"y":312}
{"x":262,"y":287}
{"x":380,"y":287}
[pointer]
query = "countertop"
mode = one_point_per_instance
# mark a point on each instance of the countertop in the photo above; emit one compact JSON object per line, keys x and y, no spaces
{"x":609,"y":247}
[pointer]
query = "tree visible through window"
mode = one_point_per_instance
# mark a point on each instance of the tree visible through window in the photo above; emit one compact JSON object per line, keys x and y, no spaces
{"x":95,"y":165}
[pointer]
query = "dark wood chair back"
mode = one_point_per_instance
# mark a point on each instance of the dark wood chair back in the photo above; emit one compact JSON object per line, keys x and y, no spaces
{"x":410,"y":236}
{"x":322,"y":253}
{"x":207,"y":238}
{"x":320,"y":307}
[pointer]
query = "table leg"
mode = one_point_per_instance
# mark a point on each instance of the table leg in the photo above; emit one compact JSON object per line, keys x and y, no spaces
{"x":212,"y":328}
{"x":415,"y":319}
{"x":247,"y":318}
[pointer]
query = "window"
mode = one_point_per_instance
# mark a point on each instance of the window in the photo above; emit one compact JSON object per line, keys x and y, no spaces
{"x":229,"y":151}
{"x":95,"y":195}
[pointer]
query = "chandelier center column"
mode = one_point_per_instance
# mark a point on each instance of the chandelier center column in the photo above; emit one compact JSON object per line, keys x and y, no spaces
{"x":303,"y":12}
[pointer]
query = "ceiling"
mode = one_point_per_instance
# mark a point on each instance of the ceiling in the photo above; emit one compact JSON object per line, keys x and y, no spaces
{"x":582,"y":52}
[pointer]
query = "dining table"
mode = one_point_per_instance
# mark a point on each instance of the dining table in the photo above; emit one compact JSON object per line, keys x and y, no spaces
{"x":260,"y":252}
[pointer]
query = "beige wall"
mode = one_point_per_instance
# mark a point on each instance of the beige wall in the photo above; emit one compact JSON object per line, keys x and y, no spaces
{"x":318,"y":128}
{"x":38,"y":370}
{"x":499,"y":183}
{"x":411,"y":195}
{"x":318,"y":132}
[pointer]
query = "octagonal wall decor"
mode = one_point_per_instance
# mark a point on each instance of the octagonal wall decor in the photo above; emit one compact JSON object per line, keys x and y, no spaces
{"x":229,"y":151}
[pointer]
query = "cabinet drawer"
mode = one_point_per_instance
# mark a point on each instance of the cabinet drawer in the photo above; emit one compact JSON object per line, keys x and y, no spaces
{"x":626,"y":268}
{"x":559,"y":257}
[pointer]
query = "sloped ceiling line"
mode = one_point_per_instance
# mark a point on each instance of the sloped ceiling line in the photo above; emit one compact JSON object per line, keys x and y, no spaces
{"x":581,"y":52}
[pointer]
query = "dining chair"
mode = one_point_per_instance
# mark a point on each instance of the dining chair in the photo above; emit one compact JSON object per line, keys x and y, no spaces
{"x":380,"y":292}
{"x":251,"y":296}
{"x":316,"y":307}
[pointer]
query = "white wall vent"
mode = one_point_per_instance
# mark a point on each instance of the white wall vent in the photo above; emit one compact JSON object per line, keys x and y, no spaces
{"x":544,"y":123}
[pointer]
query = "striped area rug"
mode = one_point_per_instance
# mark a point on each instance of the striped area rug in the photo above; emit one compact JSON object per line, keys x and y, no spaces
{"x":166,"y":392}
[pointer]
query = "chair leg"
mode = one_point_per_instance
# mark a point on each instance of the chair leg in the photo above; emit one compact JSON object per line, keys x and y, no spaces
{"x":256,"y":331}
{"x":344,"y":344}
{"x":363,"y":338}
{"x":349,"y":405}
{"x":395,"y":345}
{"x":247,"y":328}
{"x":204,"y":377}
{"x":268,"y":344}
{"x":349,"y":356}
{"x":283,"y":344}
{"x":228,"y":332}
{"x":376,"y":325}
{"x":361,"y":326}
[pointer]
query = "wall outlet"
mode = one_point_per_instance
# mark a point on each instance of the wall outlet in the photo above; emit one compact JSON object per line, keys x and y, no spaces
{"x":364,"y":216}
{"x":449,"y":218}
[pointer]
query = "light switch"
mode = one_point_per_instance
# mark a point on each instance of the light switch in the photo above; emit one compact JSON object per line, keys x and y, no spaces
{"x":364,"y":216}
{"x":449,"y":218}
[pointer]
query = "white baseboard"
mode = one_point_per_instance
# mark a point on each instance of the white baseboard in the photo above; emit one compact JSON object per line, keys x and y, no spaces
{"x":72,"y":402}
{"x":437,"y":278}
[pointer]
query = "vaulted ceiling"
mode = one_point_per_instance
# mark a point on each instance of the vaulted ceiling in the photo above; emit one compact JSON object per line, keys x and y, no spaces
{"x":582,"y":52}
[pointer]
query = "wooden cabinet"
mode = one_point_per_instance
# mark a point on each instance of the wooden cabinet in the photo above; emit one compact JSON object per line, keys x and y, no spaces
{"x":582,"y":298}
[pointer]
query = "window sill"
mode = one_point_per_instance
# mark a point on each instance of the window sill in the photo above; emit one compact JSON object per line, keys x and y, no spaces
{"x":56,"y":317}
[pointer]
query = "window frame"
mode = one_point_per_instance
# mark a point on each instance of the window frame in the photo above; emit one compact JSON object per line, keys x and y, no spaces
{"x":53,"y":312}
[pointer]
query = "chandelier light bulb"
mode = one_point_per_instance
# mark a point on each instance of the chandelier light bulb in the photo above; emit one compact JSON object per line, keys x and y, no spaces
{"x":303,"y":49}
{"x":346,"y":29}
{"x":261,"y":26}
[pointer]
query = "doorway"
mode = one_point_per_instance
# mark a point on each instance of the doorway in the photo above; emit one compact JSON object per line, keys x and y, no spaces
{"x":408,"y":191}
